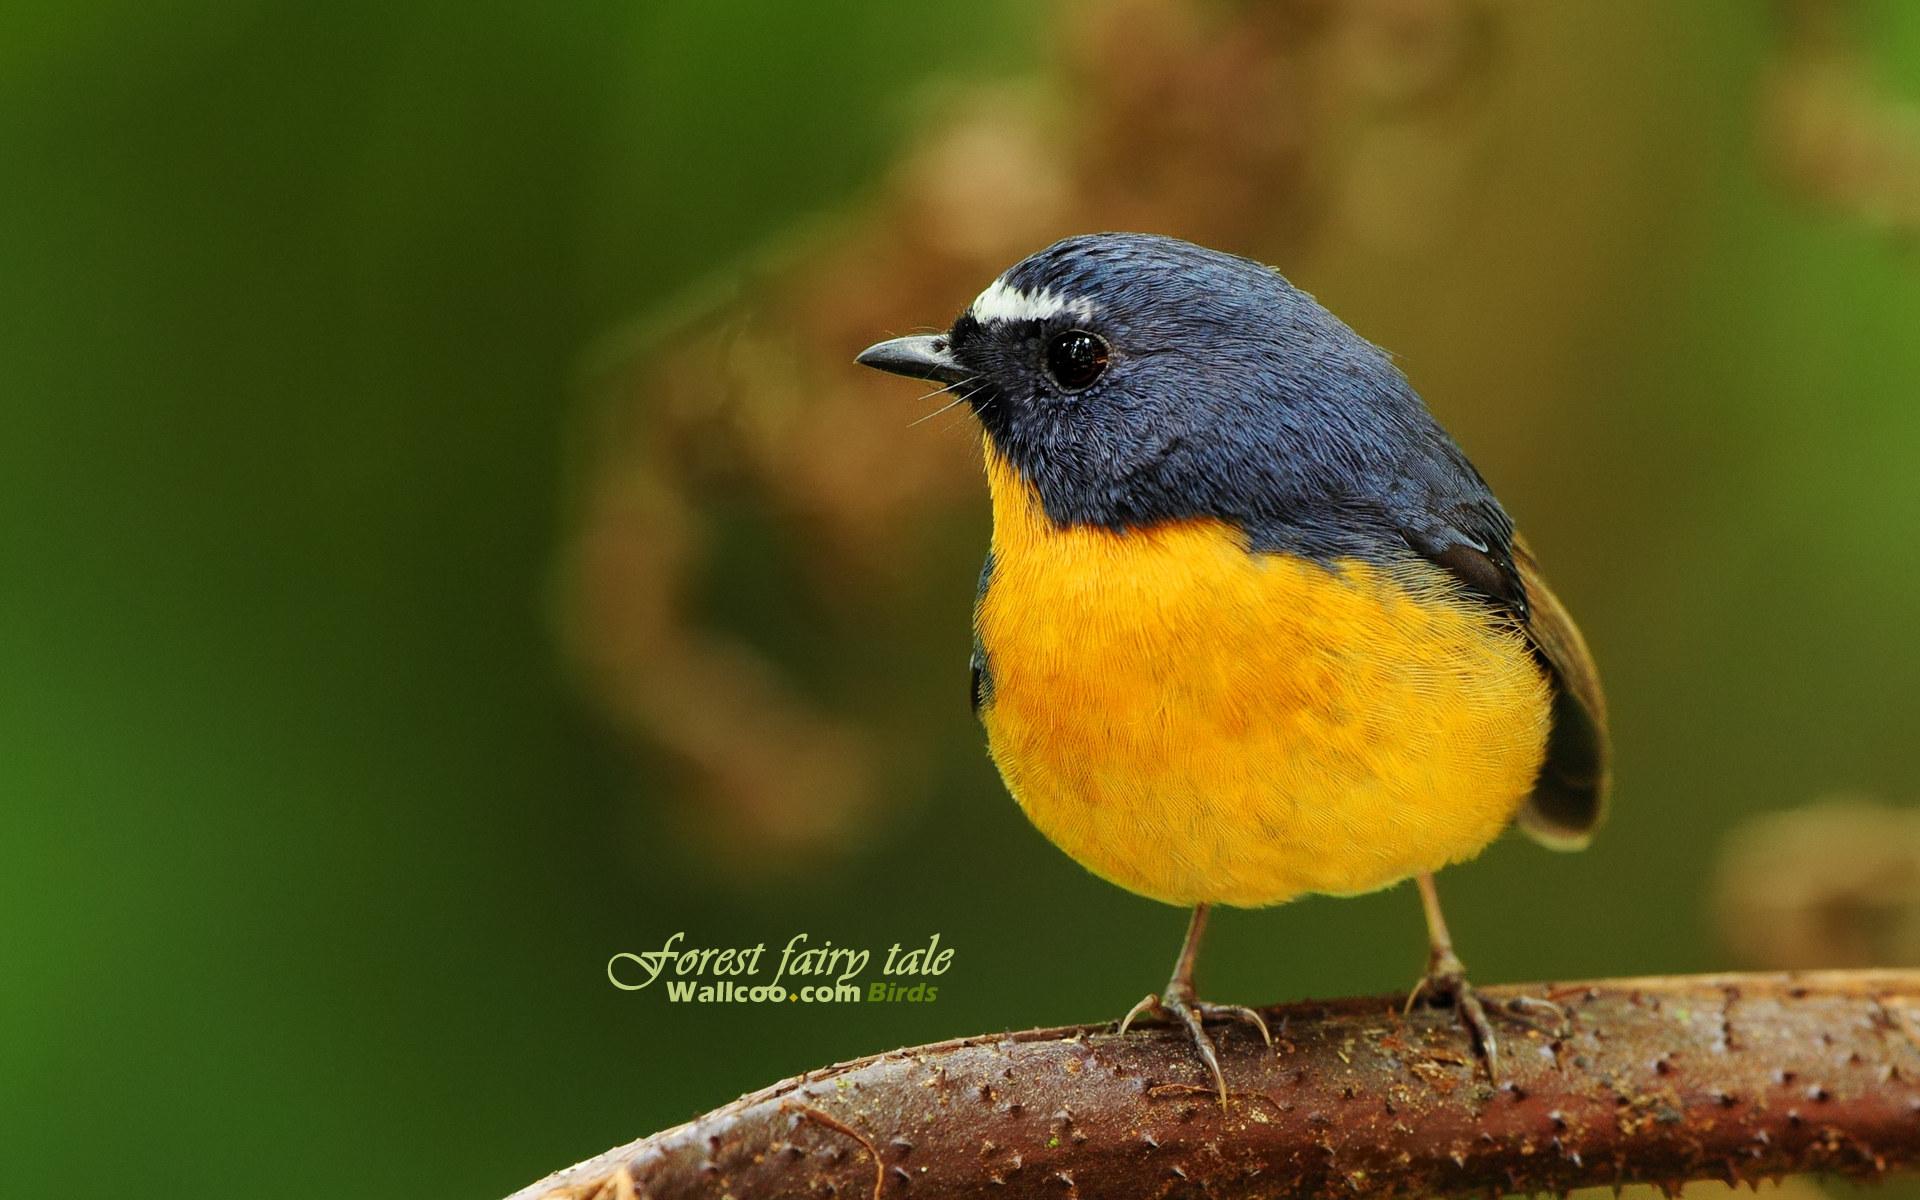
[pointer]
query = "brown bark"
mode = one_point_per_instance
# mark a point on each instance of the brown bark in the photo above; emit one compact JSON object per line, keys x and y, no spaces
{"x":1658,"y":1080}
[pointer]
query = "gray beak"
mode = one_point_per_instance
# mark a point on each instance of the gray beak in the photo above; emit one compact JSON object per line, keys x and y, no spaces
{"x":922,"y":357}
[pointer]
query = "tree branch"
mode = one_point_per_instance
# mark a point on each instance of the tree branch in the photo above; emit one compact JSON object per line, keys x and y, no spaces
{"x":1656,"y":1080}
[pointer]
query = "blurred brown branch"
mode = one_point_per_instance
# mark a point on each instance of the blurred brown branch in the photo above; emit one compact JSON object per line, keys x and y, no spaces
{"x":1833,"y":134}
{"x":753,"y":396}
{"x":1830,"y":884}
{"x":1661,"y":1080}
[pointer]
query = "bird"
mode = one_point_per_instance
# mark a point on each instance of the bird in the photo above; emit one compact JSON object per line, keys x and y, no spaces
{"x":1250,"y":625}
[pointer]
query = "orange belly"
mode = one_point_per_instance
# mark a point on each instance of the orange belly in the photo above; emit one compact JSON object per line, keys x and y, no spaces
{"x":1198,"y":723}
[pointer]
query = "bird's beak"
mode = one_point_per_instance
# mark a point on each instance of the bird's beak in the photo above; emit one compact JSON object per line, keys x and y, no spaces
{"x":922,"y":357}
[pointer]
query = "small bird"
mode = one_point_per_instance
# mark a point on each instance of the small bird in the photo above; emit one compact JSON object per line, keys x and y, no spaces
{"x":1251,"y":625}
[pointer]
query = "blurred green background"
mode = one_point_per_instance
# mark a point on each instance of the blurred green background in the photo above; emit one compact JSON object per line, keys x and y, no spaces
{"x":311,"y":320}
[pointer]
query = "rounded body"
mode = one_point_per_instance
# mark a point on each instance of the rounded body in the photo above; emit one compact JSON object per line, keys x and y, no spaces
{"x":1198,"y":723}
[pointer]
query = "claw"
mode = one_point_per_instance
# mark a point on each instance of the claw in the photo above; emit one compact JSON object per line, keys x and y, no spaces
{"x":1536,"y":1013}
{"x":1179,"y":1005}
{"x":1195,"y":1022}
{"x":1149,"y":1003}
{"x":1237,"y":1012}
{"x":1446,"y":982}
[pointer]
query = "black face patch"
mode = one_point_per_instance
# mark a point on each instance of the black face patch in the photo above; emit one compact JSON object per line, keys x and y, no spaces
{"x":965,"y":329}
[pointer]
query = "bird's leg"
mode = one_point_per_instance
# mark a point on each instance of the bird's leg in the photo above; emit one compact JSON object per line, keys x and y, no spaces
{"x":1446,"y":980}
{"x":1178,"y":1003}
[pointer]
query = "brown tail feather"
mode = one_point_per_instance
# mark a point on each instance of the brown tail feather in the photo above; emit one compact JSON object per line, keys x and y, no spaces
{"x":1570,"y":797}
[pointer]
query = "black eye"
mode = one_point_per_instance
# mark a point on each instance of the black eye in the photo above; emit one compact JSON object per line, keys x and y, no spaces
{"x":1076,"y":358}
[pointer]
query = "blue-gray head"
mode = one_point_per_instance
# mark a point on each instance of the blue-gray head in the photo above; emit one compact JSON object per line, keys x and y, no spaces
{"x":1134,"y":379}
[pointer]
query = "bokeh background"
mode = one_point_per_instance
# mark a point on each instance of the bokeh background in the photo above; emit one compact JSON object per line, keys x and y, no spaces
{"x":445,"y":542}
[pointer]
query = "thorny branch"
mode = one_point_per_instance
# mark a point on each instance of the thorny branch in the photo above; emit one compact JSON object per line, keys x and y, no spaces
{"x":1655,"y":1080}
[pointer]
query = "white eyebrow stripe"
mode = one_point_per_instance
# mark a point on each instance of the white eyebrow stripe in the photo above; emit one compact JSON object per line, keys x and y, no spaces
{"x":1004,"y":302}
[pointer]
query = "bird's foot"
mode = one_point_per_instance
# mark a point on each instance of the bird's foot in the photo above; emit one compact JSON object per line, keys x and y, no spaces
{"x":1178,"y":1006}
{"x":1446,"y":983}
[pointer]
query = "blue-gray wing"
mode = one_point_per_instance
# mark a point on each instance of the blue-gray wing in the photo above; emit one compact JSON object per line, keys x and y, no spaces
{"x":980,"y":681}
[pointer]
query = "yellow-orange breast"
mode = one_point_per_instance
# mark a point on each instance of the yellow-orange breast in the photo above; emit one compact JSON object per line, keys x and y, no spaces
{"x":1198,"y":723}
